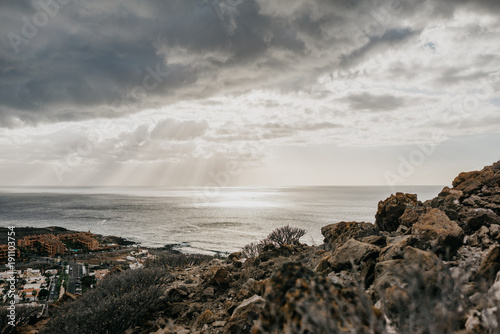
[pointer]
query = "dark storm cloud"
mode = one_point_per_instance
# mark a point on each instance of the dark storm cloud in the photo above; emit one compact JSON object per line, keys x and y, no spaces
{"x":111,"y":57}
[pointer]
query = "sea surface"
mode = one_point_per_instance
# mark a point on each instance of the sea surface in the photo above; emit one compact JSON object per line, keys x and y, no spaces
{"x":201,"y":220}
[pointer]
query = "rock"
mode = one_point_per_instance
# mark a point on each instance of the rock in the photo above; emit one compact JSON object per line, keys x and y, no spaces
{"x":235,"y":256}
{"x":473,"y":182}
{"x":397,"y":272}
{"x":390,"y":210}
{"x":337,"y":234}
{"x":301,"y":301}
{"x":490,"y":266}
{"x":204,"y":318}
{"x":377,"y":240}
{"x":176,"y":294}
{"x":448,"y":201}
{"x":221,"y":277}
{"x":352,"y":252}
{"x":435,"y":231}
{"x":466,"y":181}
{"x":494,"y":230}
{"x":324,"y":265}
{"x":209,"y":292}
{"x":479,"y":217}
{"x":243,"y":317}
{"x":219,"y":324}
{"x":395,"y":250}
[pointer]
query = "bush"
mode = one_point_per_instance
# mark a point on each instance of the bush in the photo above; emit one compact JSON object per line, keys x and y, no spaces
{"x":23,"y":314}
{"x":285,"y":235}
{"x":252,"y":250}
{"x":177,"y":260}
{"x":119,"y":302}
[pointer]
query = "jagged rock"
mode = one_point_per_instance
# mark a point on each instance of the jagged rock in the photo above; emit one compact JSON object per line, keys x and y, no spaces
{"x":324,"y":265}
{"x":204,"y":318}
{"x":448,"y":201}
{"x":337,"y":234}
{"x":410,"y":216}
{"x":244,"y":316}
{"x":435,"y":231}
{"x":479,"y":217}
{"x":490,"y":266}
{"x":235,"y":256}
{"x":352,"y":252}
{"x":176,"y":294}
{"x":397,"y":272}
{"x":390,"y":210}
{"x":377,"y":240}
{"x":221,"y":277}
{"x":473,"y":182}
{"x":395,"y":250}
{"x":494,"y":230}
{"x":300,"y":301}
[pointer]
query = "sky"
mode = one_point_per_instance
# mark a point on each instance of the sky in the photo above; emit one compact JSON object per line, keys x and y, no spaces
{"x":247,"y":92}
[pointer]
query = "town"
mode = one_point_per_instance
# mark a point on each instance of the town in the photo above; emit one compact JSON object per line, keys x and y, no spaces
{"x":50,"y":267}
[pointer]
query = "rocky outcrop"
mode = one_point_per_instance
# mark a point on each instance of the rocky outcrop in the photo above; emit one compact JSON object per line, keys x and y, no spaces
{"x":390,"y":210}
{"x":300,"y":301}
{"x":435,"y":231}
{"x":337,"y":234}
{"x":352,"y":253}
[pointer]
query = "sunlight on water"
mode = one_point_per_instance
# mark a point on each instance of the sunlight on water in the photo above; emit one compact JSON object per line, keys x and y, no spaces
{"x":221,"y":219}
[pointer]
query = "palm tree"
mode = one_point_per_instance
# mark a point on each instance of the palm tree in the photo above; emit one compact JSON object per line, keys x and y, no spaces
{"x":34,"y":293}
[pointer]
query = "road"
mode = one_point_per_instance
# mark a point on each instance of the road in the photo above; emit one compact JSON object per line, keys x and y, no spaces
{"x":75,"y":273}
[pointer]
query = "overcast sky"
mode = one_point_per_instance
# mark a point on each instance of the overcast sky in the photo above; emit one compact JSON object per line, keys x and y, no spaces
{"x":247,"y":92}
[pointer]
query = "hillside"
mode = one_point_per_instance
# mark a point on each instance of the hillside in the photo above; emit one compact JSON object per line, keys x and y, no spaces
{"x":423,"y":267}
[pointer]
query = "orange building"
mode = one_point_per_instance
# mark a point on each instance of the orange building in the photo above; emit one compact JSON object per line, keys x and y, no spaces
{"x":4,"y":253}
{"x":48,"y":243}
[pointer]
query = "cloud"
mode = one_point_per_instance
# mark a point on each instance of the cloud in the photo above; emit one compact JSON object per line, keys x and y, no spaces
{"x":179,"y":130}
{"x":371,"y":102}
{"x":93,"y":59}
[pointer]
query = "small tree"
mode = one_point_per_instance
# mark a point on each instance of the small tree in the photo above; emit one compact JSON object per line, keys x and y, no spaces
{"x":286,"y":235}
{"x":43,"y":294}
{"x":34,"y":293}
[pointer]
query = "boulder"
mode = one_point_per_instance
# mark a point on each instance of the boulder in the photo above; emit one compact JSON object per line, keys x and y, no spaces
{"x":205,"y":318}
{"x":402,"y":271}
{"x":221,"y":277}
{"x":490,"y":266}
{"x":435,"y":231}
{"x":377,"y":240}
{"x":449,"y":201}
{"x":411,"y":215}
{"x":352,"y":252}
{"x":244,"y":316}
{"x":301,"y":301}
{"x":476,"y":218}
{"x":473,"y":182}
{"x":390,"y":210}
{"x":395,"y":250}
{"x":337,"y":234}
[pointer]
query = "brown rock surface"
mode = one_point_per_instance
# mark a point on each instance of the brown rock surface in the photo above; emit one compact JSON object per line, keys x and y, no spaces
{"x":352,"y":252}
{"x":391,"y":209}
{"x":435,"y":231}
{"x":337,"y":234}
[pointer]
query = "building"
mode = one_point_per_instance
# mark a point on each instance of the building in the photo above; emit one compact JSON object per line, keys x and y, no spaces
{"x":4,"y":253}
{"x":47,"y":243}
{"x":85,"y":238}
{"x":53,"y":245}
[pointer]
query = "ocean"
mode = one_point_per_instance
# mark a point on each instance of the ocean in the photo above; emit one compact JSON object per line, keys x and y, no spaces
{"x":200,"y":220}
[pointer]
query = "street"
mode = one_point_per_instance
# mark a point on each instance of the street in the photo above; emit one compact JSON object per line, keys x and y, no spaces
{"x":75,"y":273}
